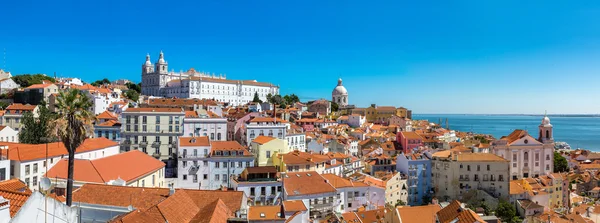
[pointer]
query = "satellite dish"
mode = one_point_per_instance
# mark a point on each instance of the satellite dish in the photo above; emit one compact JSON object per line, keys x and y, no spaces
{"x":45,"y":183}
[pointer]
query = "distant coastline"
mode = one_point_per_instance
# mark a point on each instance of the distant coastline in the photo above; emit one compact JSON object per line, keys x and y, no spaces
{"x":549,"y":115}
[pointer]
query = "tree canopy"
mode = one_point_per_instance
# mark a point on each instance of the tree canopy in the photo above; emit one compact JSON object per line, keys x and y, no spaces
{"x":132,"y":94}
{"x":560,"y":163}
{"x":256,"y":98}
{"x":284,"y":101}
{"x":334,"y":106}
{"x":507,"y":212}
{"x":101,"y":82}
{"x":26,"y":80}
{"x":37,"y":130}
{"x":136,"y":87}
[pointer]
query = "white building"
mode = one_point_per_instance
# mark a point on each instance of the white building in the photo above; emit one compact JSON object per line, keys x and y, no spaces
{"x":320,"y":197}
{"x":70,"y":81}
{"x":296,"y":139}
{"x":262,"y":185}
{"x":356,"y":120}
{"x":4,"y":166}
{"x":205,"y":123}
{"x":157,"y":80}
{"x":355,"y":194}
{"x":529,"y":157}
{"x":340,"y":94}
{"x":28,"y":161}
{"x":265,"y":126}
{"x":210,"y":165}
{"x":101,"y":97}
{"x":7,"y":134}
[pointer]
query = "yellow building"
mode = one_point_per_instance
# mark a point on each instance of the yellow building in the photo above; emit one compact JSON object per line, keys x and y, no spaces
{"x":265,"y":148}
{"x":382,"y":114}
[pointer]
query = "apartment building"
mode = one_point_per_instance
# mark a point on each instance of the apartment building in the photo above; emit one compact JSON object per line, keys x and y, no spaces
{"x":455,"y":174}
{"x":153,"y":131}
{"x":13,"y":114}
{"x":262,"y":185}
{"x":417,"y":168}
{"x":209,"y":165}
{"x":264,"y":126}
{"x":354,"y":194}
{"x":265,"y":148}
{"x":205,"y":123}
{"x":315,"y":192}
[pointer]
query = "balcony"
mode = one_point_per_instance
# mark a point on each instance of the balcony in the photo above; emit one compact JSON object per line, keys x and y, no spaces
{"x":156,"y":155}
{"x":463,"y":179}
{"x":156,"y":144}
{"x":126,"y":142}
{"x":322,"y":206}
{"x":143,"y":143}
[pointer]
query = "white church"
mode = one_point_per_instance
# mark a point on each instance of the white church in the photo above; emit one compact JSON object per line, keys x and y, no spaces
{"x":158,"y":81}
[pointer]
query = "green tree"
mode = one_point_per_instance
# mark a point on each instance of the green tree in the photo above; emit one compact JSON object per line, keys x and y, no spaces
{"x":256,"y":98}
{"x":72,"y":127}
{"x":294,"y":98}
{"x":132,"y":95}
{"x":269,"y":98}
{"x":560,"y":163}
{"x":135,"y":87}
{"x":26,"y":80}
{"x":287,"y":99}
{"x":101,"y":82}
{"x":277,"y":99}
{"x":334,"y":106}
{"x":400,"y":203}
{"x":36,"y":130}
{"x":3,"y":105}
{"x":507,"y":212}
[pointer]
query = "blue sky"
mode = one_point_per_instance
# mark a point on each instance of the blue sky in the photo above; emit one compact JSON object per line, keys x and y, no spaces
{"x":432,"y":57}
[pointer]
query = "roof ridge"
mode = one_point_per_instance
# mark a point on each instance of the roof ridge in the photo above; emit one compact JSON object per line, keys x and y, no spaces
{"x":98,"y":172}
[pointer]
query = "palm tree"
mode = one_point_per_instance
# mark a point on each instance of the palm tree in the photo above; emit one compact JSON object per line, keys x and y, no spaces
{"x":72,"y":127}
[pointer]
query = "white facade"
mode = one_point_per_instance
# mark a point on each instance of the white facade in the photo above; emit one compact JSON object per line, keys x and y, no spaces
{"x":296,"y":141}
{"x":31,"y":171}
{"x":200,"y":167}
{"x":7,"y":134}
{"x":356,"y":121}
{"x":71,"y":81}
{"x":7,"y":85}
{"x":529,"y":157}
{"x":102,"y":100}
{"x":158,"y":81}
{"x":214,"y":128}
{"x":340,"y":94}
{"x":351,"y":198}
{"x":4,"y":168}
{"x":264,"y":126}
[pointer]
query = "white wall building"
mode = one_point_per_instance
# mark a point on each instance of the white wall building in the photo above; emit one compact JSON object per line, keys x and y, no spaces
{"x":356,"y":121}
{"x":201,"y":123}
{"x":210,"y":165}
{"x":7,"y":134}
{"x":157,"y":80}
{"x":355,"y":194}
{"x":266,"y":126}
{"x":71,"y":81}
{"x":296,"y":141}
{"x":28,"y":161}
{"x":528,"y":157}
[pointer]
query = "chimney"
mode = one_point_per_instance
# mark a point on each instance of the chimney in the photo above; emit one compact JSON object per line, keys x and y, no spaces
{"x":223,"y":188}
{"x":171,"y":190}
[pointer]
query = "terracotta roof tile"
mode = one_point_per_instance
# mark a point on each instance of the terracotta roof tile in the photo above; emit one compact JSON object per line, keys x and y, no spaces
{"x":15,"y":185}
{"x":194,"y":141}
{"x":37,"y":86}
{"x":165,"y":110}
{"x":110,"y":123}
{"x":17,"y":199}
{"x":262,"y":139}
{"x":19,"y":106}
{"x":107,"y":115}
{"x":265,"y":213}
{"x":127,"y":166}
{"x":350,"y":217}
{"x":296,"y":205}
{"x":25,"y":152}
{"x":418,"y":214}
{"x":411,"y":135}
{"x":377,"y":215}
{"x":267,"y":119}
{"x":304,"y":183}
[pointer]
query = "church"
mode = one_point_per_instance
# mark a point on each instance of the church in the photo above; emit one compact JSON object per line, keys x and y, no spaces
{"x":158,"y":81}
{"x":340,"y":94}
{"x":528,"y":156}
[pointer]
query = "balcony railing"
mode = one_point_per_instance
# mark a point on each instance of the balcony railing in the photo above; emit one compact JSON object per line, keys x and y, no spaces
{"x":143,"y":143}
{"x":156,"y":144}
{"x":156,"y":155}
{"x":463,"y":179}
{"x":126,"y":142}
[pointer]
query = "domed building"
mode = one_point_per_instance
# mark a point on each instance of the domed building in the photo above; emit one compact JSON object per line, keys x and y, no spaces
{"x":340,"y":94}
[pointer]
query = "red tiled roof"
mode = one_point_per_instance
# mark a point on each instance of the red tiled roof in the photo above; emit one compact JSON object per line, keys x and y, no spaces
{"x":296,"y":205}
{"x":194,"y":141}
{"x":109,"y":123}
{"x":265,"y":213}
{"x":107,"y":115}
{"x":26,"y":152}
{"x":304,"y":183}
{"x":262,"y":139}
{"x":16,"y":192}
{"x":37,"y":86}
{"x":19,"y":106}
{"x":127,"y":166}
{"x":418,"y":214}
{"x":120,"y":196}
{"x":166,"y":110}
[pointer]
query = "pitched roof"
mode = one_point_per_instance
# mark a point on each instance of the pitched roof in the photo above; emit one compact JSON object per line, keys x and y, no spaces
{"x":25,"y":152}
{"x":127,"y":166}
{"x":194,"y":141}
{"x":267,"y":119}
{"x":19,"y":106}
{"x":305,"y":183}
{"x":17,"y":192}
{"x":515,"y":135}
{"x":411,"y":135}
{"x":377,"y":215}
{"x":450,"y":212}
{"x":164,"y":110}
{"x":37,"y":86}
{"x":107,"y":115}
{"x":339,"y":182}
{"x":418,"y":214}
{"x":296,"y":205}
{"x":262,"y":139}
{"x":265,"y":213}
{"x":350,"y":217}
{"x":109,"y":123}
{"x":120,"y":196}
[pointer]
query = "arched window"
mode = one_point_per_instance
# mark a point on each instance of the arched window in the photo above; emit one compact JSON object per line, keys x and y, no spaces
{"x":218,"y":136}
{"x":525,"y":156}
{"x":547,"y":134}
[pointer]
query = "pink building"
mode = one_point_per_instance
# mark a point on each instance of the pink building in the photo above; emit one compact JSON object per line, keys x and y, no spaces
{"x":409,"y":140}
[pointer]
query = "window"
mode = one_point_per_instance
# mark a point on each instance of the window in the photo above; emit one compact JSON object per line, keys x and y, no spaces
{"x":27,"y":170}
{"x":184,"y":163}
{"x":547,"y":157}
{"x":488,"y":167}
{"x":205,"y":177}
{"x":547,"y":167}
{"x":268,"y":154}
{"x":224,"y":178}
{"x":526,"y":156}
{"x":514,"y":157}
{"x":3,"y":174}
{"x":217,"y":165}
{"x":514,"y":165}
{"x":478,"y":168}
{"x":308,"y":167}
{"x":158,"y":128}
{"x":170,"y":128}
{"x":35,"y":168}
{"x":468,"y":167}
{"x":27,"y":181}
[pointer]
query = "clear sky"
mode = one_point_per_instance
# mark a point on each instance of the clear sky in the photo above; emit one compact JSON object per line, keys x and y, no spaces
{"x":432,"y":57}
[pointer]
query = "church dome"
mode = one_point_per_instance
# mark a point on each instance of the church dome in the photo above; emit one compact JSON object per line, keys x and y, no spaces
{"x":546,"y":120}
{"x":148,"y":63}
{"x":340,"y":89}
